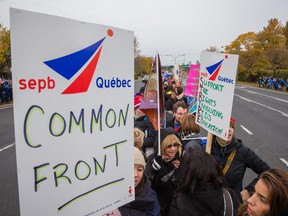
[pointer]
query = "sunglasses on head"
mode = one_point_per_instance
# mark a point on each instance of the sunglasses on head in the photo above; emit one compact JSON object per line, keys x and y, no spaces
{"x":174,"y":145}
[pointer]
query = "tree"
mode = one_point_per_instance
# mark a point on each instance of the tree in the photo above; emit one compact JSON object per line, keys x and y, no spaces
{"x":285,"y":32}
{"x":273,"y":41}
{"x":243,"y":42}
{"x":272,"y":35}
{"x":137,"y":50}
{"x":251,"y":62}
{"x":212,"y":49}
{"x":142,"y":64}
{"x":277,"y":59}
{"x":5,"y":49}
{"x":263,"y":52}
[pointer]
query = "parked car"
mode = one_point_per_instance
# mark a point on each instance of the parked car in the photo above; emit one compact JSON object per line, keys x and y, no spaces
{"x":145,"y":78}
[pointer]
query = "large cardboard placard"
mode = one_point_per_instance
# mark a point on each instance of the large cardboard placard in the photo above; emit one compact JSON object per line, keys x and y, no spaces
{"x":73,"y":108}
{"x":216,"y":91}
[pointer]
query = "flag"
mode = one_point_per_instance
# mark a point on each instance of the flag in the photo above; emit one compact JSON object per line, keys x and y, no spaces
{"x":152,"y":103}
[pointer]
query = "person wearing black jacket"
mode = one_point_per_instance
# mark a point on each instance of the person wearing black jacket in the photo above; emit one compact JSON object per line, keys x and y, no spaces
{"x":163,"y":168}
{"x":234,"y":158}
{"x":142,"y":122}
{"x":203,"y":190}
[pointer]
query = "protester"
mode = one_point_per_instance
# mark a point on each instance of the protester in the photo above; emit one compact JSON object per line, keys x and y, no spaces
{"x":190,"y":133}
{"x":168,"y":91}
{"x":170,"y":102}
{"x":163,"y":168}
{"x":270,"y":197}
{"x":203,"y":191}
{"x":138,"y":141}
{"x":142,"y":122}
{"x":179,"y":109}
{"x":138,"y":138}
{"x":235,"y":158}
{"x":146,"y":202}
{"x":180,"y":94}
{"x":115,"y":212}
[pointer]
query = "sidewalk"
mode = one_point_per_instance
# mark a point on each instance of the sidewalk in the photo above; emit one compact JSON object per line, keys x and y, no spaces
{"x":6,"y":105}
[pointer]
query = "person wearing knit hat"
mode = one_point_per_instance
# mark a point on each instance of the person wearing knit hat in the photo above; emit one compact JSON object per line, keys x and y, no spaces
{"x":232,"y":122}
{"x":234,"y":158}
{"x":146,"y":202}
{"x":137,"y":101}
{"x":139,"y":160}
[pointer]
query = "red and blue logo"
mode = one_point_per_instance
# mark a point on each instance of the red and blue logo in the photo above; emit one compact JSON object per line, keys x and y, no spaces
{"x":214,"y":69}
{"x":69,"y":65}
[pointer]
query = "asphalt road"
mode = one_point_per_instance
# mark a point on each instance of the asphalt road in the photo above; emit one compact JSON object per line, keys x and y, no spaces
{"x":261,"y":122}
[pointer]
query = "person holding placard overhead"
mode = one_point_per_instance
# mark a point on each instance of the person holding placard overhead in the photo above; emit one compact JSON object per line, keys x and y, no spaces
{"x":234,"y":158}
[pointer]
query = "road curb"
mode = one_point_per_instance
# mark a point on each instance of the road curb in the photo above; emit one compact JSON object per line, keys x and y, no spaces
{"x":6,"y":105}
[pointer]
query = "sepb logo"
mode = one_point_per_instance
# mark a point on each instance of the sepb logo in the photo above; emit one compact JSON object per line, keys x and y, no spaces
{"x":39,"y":84}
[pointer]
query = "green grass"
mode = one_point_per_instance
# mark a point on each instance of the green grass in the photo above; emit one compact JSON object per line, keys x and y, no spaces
{"x":253,"y":84}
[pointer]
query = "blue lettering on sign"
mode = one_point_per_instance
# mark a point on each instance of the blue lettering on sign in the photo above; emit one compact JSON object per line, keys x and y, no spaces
{"x":113,"y":83}
{"x":225,"y":79}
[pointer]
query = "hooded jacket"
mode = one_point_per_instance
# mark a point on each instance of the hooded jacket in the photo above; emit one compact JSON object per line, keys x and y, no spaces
{"x":163,"y":175}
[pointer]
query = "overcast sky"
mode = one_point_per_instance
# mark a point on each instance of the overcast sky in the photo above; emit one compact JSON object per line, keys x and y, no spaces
{"x":168,"y":26}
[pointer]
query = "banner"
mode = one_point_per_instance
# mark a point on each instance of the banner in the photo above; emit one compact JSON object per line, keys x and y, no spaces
{"x":152,"y":103}
{"x":192,"y":81}
{"x":216,"y":91}
{"x":73,"y":111}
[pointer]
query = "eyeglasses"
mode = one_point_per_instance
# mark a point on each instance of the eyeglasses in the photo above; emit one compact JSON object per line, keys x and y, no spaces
{"x":174,"y":145}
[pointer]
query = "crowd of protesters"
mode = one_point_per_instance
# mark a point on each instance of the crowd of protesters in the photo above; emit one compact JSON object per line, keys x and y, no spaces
{"x":273,"y":83}
{"x":183,"y":179}
{"x":6,"y":90}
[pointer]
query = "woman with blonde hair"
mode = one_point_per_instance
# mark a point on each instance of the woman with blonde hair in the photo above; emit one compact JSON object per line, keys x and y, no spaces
{"x":164,"y":167}
{"x":270,"y":197}
{"x":138,"y":138}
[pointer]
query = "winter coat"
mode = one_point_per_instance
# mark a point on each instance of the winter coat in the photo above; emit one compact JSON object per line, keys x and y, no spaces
{"x":145,"y":125}
{"x":171,"y":124}
{"x":169,"y":104}
{"x":145,"y":203}
{"x":208,"y":203}
{"x":191,"y":142}
{"x":244,"y":158}
{"x":163,"y":175}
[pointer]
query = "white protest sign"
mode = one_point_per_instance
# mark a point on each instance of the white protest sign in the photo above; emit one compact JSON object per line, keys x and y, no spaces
{"x":73,"y":109}
{"x":216,"y":91}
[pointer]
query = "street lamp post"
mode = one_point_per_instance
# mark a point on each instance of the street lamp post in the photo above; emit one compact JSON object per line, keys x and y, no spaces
{"x":175,"y":57}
